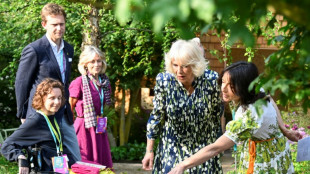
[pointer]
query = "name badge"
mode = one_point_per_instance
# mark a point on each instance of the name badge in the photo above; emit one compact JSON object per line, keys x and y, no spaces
{"x":101,"y":125}
{"x":60,"y":164}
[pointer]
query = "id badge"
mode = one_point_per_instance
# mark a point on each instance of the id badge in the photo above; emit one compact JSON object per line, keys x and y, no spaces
{"x":60,"y":164}
{"x":101,"y":125}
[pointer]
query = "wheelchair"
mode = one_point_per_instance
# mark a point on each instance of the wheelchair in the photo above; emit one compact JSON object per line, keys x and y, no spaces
{"x":35,"y":161}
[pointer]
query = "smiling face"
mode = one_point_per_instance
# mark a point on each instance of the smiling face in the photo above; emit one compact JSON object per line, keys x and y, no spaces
{"x":183,"y":72}
{"x":227,"y":91}
{"x":52,"y":102}
{"x":94,"y":66}
{"x":55,"y":27}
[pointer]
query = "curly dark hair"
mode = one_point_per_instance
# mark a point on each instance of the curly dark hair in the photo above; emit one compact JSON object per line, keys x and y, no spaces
{"x":43,"y":89}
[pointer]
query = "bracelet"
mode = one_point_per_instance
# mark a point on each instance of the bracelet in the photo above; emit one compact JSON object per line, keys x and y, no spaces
{"x":23,"y":163}
{"x":149,"y":151}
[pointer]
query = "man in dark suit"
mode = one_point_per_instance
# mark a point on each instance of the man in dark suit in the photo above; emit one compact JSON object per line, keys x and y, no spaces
{"x":49,"y":56}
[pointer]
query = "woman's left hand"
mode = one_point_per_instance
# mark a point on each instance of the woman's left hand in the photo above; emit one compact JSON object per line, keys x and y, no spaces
{"x":179,"y":169}
{"x":23,"y":170}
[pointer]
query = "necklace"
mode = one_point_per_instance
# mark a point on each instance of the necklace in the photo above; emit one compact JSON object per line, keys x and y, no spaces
{"x":190,"y":90}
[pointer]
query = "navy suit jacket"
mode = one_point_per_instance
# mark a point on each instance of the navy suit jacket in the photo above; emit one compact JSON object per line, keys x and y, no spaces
{"x":38,"y":62}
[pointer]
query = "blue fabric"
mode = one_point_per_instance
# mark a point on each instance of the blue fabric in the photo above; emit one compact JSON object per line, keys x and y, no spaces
{"x":70,"y":139}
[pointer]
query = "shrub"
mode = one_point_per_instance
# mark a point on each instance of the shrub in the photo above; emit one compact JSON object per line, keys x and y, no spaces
{"x":130,"y":151}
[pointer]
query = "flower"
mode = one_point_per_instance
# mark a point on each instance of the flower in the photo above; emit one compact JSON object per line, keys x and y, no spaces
{"x":308,"y":127}
{"x":288,"y":126}
{"x":295,"y":127}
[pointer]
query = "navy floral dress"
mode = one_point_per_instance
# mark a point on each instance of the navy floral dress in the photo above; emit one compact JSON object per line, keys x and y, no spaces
{"x":185,"y":123}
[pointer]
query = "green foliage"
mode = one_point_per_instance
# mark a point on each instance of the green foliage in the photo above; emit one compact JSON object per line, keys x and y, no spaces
{"x":133,"y":51}
{"x":295,"y":119}
{"x":7,"y":167}
{"x":20,"y":24}
{"x":110,"y":113}
{"x":287,"y":70}
{"x":130,"y":151}
{"x":17,"y":25}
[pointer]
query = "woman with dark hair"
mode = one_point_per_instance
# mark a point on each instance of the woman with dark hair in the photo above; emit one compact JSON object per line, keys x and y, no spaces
{"x":264,"y":148}
{"x":39,"y":129}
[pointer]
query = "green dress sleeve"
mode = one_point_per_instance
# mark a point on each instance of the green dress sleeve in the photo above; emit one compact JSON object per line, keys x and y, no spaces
{"x":245,"y":125}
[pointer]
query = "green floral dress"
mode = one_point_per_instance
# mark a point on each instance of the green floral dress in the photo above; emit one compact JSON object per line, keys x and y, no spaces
{"x":185,"y":123}
{"x":272,"y":152}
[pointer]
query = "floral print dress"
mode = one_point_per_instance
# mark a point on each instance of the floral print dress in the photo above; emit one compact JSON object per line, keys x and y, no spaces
{"x":272,"y":150}
{"x":185,"y":123}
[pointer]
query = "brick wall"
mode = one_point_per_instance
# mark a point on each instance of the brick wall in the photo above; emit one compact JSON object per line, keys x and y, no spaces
{"x":211,"y":41}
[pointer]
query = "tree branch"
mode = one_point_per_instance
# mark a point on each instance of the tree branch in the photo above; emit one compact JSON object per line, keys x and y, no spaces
{"x":96,"y":4}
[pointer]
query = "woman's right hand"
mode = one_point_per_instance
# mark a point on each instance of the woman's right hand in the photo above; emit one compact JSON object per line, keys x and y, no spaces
{"x":22,"y":165}
{"x":147,"y":162}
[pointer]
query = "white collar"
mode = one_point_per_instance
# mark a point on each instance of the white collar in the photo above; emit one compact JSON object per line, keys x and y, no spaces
{"x":53,"y":44}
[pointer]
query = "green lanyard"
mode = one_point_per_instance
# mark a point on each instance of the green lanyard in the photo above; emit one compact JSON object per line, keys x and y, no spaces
{"x":56,"y":134}
{"x":101,"y":94}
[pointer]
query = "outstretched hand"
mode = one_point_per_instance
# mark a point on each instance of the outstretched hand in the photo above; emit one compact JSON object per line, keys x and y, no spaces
{"x":293,"y":135}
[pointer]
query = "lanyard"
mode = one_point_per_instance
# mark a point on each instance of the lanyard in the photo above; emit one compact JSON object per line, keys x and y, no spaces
{"x":233,"y":113}
{"x":56,"y":134}
{"x":62,"y":65}
{"x":101,"y":95}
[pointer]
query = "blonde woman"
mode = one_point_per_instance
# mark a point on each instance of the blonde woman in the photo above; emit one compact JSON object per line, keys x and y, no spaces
{"x":89,"y":93}
{"x":187,"y":111}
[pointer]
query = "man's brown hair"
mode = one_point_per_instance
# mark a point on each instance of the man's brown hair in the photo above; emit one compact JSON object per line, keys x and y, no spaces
{"x":52,"y":9}
{"x":43,"y":89}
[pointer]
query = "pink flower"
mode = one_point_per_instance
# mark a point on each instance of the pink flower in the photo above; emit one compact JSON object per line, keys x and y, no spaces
{"x":302,"y":133}
{"x":288,"y":126}
{"x":301,"y":129}
{"x":308,"y":127}
{"x":295,"y":127}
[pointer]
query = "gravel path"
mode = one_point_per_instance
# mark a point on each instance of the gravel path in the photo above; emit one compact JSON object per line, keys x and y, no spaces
{"x":136,"y":168}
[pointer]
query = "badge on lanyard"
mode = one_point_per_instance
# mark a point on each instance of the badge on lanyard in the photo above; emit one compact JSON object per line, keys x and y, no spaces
{"x":60,"y":164}
{"x":101,"y":121}
{"x":101,"y":125}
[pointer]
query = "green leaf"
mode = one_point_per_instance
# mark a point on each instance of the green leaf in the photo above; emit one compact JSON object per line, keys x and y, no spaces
{"x":184,"y":9}
{"x":204,"y":9}
{"x":122,"y":12}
